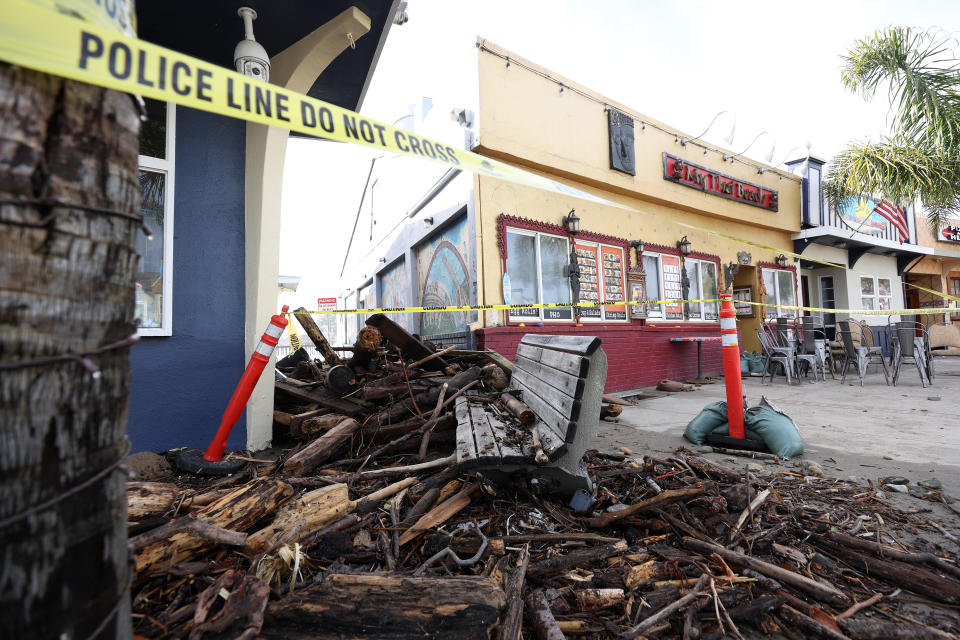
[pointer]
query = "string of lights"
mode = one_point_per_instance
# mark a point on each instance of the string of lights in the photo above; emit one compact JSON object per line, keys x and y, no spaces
{"x":636,"y":116}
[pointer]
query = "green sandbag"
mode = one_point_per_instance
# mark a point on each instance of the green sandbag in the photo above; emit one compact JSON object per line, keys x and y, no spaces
{"x":713,"y":416}
{"x":764,"y":423}
{"x":775,"y":428}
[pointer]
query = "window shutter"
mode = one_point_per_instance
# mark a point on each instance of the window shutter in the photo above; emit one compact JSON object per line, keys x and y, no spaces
{"x":622,"y":157}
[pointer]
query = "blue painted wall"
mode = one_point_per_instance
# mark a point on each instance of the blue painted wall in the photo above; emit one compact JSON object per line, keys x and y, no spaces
{"x":182,"y":383}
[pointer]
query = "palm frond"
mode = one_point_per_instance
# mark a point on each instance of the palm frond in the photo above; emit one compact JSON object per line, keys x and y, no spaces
{"x":902,"y":174}
{"x":921,"y":72}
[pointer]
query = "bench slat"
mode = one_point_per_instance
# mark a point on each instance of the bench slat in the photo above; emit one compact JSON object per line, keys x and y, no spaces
{"x":466,"y":447}
{"x":563,"y":403}
{"x":557,"y":359}
{"x":551,"y":417}
{"x":488,"y":449}
{"x":564,"y":382}
{"x":579,"y":345}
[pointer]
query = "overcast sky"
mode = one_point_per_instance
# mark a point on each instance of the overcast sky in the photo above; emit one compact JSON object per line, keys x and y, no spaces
{"x":773,"y":64}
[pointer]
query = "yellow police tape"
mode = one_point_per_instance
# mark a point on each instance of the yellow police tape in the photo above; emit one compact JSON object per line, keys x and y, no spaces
{"x":612,"y":303}
{"x":37,"y":38}
{"x":52,"y":36}
{"x":294,"y":336}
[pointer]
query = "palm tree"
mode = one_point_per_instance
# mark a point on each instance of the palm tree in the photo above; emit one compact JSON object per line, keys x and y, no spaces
{"x":66,"y":294}
{"x":920,"y":158}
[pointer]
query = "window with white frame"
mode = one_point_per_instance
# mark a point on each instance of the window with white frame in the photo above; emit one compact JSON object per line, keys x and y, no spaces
{"x":702,"y":275}
{"x":781,"y":290}
{"x":537,"y":269}
{"x":664,"y":282}
{"x":154,"y":284}
{"x":875,"y":293}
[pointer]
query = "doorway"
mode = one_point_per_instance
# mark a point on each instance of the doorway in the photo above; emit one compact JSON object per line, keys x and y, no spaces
{"x":828,"y":300}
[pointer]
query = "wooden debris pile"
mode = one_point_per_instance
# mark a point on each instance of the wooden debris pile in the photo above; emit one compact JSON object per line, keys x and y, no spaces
{"x":367,"y":528}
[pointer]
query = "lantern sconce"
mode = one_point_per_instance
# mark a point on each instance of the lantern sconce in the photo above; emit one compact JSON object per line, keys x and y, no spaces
{"x":684,"y":246}
{"x":781,"y":261}
{"x":571,"y":222}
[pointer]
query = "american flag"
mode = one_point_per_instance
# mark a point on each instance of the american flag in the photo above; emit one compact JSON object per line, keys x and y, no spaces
{"x":895,"y":216}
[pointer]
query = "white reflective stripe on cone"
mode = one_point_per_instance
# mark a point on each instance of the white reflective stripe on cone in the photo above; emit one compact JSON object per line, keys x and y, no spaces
{"x":264,"y":349}
{"x":728,"y":323}
{"x":729,"y":340}
{"x":274,"y":331}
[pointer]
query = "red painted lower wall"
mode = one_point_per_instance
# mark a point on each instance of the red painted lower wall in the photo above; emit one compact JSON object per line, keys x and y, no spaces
{"x":637,"y":356}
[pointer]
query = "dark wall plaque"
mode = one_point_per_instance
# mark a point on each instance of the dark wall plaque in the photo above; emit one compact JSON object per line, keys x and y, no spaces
{"x":622,"y":154}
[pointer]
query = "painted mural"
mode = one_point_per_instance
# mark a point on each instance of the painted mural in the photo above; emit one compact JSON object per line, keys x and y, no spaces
{"x":444,"y":277}
{"x":859,"y":215}
{"x":394,"y":292}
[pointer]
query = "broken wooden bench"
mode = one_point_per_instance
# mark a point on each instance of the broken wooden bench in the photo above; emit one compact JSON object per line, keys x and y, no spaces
{"x":561,"y":379}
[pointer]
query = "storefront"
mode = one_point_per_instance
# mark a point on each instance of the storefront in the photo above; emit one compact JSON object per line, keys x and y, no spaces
{"x":938,"y":272}
{"x":875,"y":242}
{"x":507,"y":243}
{"x":530,"y":253}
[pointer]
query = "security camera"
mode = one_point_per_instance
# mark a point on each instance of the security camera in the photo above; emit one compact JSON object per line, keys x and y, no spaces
{"x":249,"y":56}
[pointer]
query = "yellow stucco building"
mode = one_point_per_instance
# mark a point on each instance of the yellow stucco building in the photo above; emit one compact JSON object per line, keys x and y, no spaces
{"x":532,"y":117}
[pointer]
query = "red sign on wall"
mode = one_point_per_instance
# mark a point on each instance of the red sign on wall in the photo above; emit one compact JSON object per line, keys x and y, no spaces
{"x":696,"y":177}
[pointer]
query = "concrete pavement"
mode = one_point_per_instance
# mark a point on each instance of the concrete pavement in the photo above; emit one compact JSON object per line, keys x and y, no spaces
{"x":869,"y":432}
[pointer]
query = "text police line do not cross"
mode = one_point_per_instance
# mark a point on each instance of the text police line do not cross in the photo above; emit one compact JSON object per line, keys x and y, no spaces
{"x":253,"y":97}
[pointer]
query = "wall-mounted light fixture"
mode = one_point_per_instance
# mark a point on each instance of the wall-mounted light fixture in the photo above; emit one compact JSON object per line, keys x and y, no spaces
{"x":428,"y":222}
{"x":781,"y":260}
{"x":638,"y":245}
{"x":728,"y":138}
{"x":571,"y":222}
{"x":249,"y":56}
{"x":731,"y":156}
{"x":684,"y":246}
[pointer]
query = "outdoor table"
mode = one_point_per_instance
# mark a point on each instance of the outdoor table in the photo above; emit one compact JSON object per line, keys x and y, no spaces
{"x":699,"y":340}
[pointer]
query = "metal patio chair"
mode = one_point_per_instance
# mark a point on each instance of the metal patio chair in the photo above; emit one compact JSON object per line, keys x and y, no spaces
{"x":907,"y":350}
{"x":812,"y":347}
{"x":775,"y":354}
{"x":861,"y":356}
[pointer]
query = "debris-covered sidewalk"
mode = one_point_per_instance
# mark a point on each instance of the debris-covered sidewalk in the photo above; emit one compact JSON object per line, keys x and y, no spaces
{"x":370,"y":526}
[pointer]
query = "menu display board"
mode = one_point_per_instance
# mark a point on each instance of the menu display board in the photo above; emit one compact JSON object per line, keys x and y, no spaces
{"x":602,"y":277}
{"x":590,"y":280}
{"x":614,"y":286}
{"x":672,"y":287}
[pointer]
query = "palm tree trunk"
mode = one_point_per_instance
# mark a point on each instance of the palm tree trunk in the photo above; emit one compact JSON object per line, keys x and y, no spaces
{"x":66,"y":287}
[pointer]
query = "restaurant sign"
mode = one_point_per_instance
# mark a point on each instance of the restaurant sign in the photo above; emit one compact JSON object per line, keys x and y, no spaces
{"x":696,"y":177}
{"x":951,"y":231}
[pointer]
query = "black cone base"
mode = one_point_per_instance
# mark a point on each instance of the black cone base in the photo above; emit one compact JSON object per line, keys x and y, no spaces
{"x":191,"y":461}
{"x":735,"y":443}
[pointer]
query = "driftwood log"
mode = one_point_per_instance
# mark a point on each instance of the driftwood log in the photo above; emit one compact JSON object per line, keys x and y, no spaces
{"x":371,"y":606}
{"x":321,"y":449}
{"x":908,"y":576}
{"x":316,"y":336}
{"x":655,"y":502}
{"x":237,"y":511}
{"x":541,"y":618}
{"x":149,"y":499}
{"x":818,"y":590}
{"x":510,"y":626}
